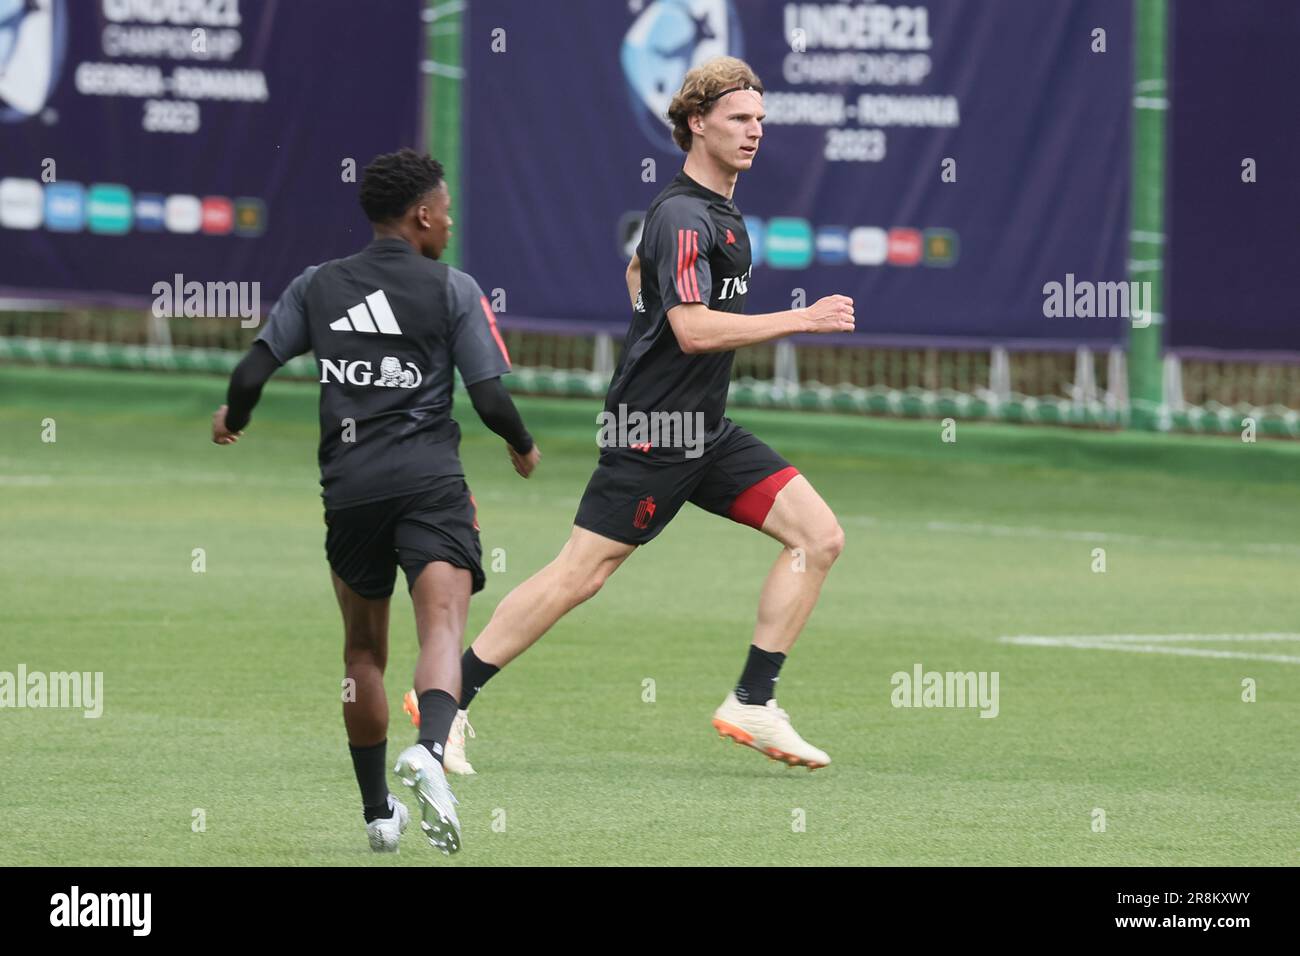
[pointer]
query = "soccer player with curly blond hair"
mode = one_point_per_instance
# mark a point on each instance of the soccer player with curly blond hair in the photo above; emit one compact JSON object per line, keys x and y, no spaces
{"x":687,"y":283}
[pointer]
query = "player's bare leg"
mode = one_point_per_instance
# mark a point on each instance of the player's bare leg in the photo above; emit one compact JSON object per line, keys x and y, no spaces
{"x":365,"y":655}
{"x":579,"y":571}
{"x":441,"y":597}
{"x":365,"y":711}
{"x":812,"y":540}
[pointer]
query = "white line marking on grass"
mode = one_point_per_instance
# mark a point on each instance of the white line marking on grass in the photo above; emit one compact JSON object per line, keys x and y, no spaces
{"x":1144,"y":638}
{"x":1163,"y":644}
{"x":1054,"y":534}
{"x":1111,"y":537}
{"x":1027,"y":531}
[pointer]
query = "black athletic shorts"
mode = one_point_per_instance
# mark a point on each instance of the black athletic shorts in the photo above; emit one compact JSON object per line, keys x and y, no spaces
{"x":633,"y":494}
{"x":365,"y":543}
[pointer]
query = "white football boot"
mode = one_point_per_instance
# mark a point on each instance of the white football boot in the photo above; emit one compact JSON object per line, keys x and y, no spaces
{"x":417,"y":768}
{"x":766,"y":728}
{"x":453,"y":758}
{"x":385,"y":833}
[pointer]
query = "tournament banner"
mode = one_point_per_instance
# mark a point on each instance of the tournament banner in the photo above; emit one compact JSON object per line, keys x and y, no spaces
{"x":1232,"y":258}
{"x":216,"y":141}
{"x":960,"y":167}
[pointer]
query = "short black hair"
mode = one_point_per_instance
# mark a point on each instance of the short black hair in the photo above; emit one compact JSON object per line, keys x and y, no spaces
{"x":394,"y":182}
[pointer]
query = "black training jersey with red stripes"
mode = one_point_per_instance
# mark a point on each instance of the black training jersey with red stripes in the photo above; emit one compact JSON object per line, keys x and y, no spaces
{"x":694,"y":248}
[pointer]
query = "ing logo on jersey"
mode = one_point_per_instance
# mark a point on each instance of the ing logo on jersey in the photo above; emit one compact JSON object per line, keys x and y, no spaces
{"x":33,"y":41}
{"x":391,"y":373}
{"x":733,"y":285}
{"x":667,"y":39}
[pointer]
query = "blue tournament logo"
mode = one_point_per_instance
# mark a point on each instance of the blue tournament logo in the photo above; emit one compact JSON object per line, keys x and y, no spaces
{"x":65,"y":207}
{"x":150,"y":212}
{"x":832,"y":244}
{"x":667,"y":39}
{"x":33,"y":40}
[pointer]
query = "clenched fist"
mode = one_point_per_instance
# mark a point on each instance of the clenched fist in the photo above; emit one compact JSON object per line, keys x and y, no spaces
{"x":833,"y":313}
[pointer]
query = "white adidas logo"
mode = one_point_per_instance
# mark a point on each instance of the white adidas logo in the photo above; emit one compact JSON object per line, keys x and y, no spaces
{"x":378,"y":318}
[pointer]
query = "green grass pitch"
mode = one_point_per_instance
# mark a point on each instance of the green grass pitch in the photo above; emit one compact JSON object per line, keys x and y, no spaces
{"x":221,"y":688}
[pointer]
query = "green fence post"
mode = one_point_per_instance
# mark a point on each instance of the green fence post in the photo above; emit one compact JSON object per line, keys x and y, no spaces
{"x":1147,"y":239}
{"x":443,"y":91}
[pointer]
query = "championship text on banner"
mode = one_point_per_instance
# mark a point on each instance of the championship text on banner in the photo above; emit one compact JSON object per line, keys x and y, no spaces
{"x":943,"y":162}
{"x":221,"y":140}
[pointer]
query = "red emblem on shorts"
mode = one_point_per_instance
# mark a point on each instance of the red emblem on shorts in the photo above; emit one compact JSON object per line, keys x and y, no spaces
{"x":645,"y":510}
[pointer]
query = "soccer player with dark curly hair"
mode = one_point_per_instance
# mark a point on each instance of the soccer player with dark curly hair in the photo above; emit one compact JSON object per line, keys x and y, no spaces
{"x":687,"y":283}
{"x":389,"y":326}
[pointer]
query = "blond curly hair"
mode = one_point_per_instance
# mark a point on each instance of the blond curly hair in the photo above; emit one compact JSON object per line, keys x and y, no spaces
{"x":700,"y":91}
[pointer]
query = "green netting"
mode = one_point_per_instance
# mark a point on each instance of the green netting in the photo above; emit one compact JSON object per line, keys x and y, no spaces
{"x":911,"y":401}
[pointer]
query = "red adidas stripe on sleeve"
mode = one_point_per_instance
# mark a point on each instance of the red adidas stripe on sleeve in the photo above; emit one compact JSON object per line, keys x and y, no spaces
{"x":690,"y":267}
{"x":688,"y":251}
{"x":681,"y":251}
{"x":492,"y":324}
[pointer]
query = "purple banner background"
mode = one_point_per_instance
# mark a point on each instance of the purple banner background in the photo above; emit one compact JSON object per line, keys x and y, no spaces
{"x":556,"y":136}
{"x":1233,"y":256}
{"x":344,"y":81}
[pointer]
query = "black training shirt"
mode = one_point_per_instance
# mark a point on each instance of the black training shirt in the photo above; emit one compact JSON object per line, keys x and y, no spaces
{"x":694,"y":248}
{"x":387,"y":326}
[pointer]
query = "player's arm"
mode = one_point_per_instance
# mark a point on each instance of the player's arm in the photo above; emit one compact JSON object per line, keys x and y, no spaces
{"x":497,"y":411}
{"x":284,"y":336}
{"x":678,"y":239}
{"x":633,"y":277}
{"x":242,"y":394}
{"x":701,"y":329}
{"x":480,"y":355}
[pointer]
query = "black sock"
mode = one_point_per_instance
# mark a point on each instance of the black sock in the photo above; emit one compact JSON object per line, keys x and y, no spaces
{"x":758,"y":680}
{"x":369,"y":764}
{"x":437,"y":711}
{"x":474,"y":673}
